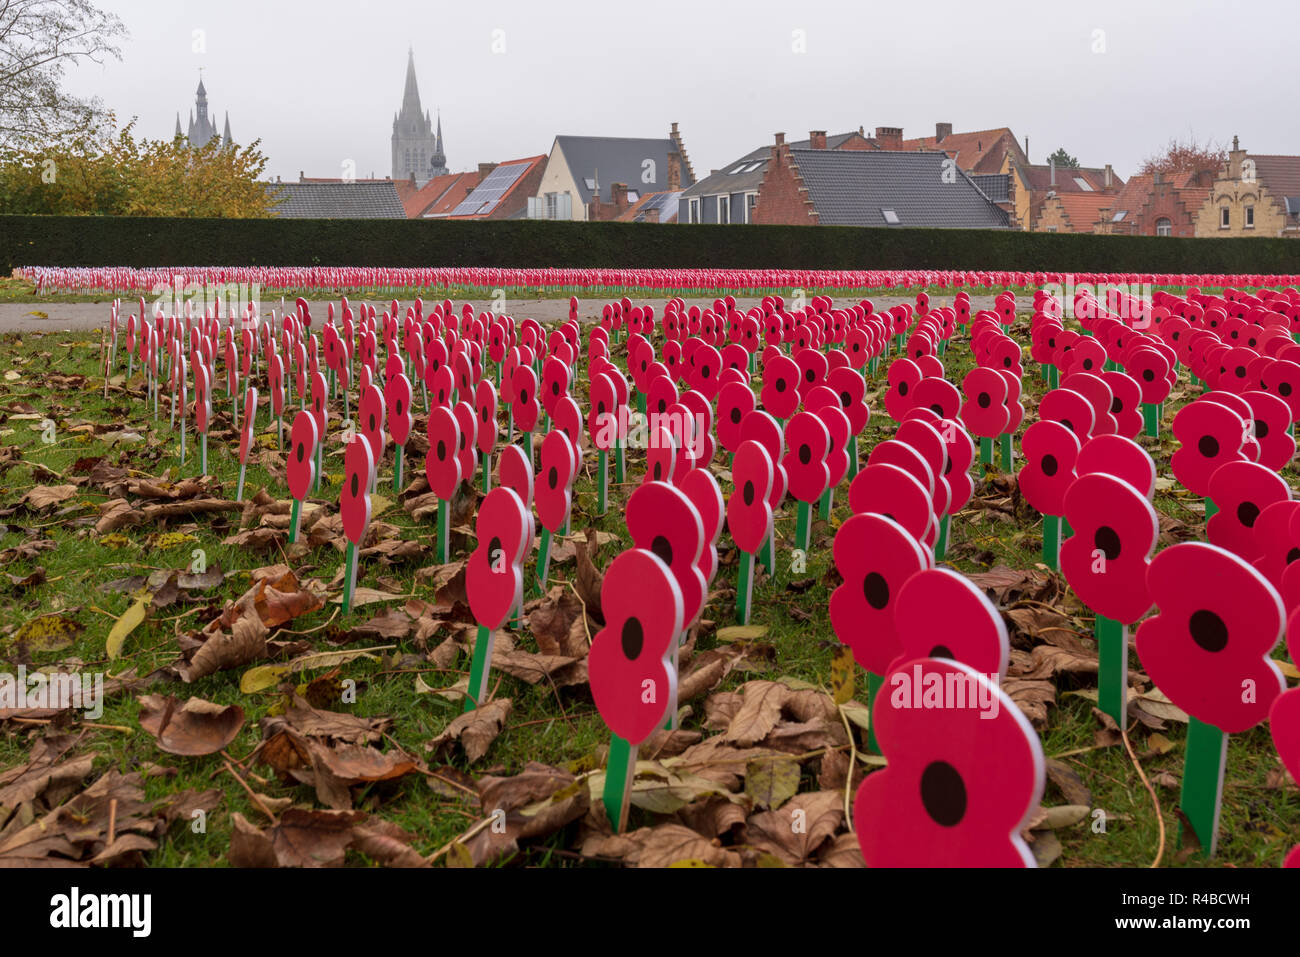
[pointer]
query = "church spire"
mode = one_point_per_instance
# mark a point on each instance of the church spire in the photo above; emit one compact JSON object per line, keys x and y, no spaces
{"x":178,"y":123}
{"x":226,"y":138}
{"x":411,"y":94}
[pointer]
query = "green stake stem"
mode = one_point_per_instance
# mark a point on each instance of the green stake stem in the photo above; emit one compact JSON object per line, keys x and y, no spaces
{"x":803,"y":525}
{"x":487,"y":471}
{"x":941,"y":544}
{"x":640,"y":402}
{"x":182,"y":440}
{"x":1004,"y":450}
{"x":444,"y":526}
{"x":397,"y":471}
{"x":478,"y":673}
{"x":620,"y":464}
{"x":1052,"y":542}
{"x":239,"y":488}
{"x":543,"y":560}
{"x":1066,"y":530}
{"x":986,"y":450}
{"x":602,"y":480}
{"x":620,"y":770}
{"x":744,"y":588}
{"x":1053,"y":377}
{"x":1211,"y":509}
{"x":528,"y":442}
{"x":1207,"y":751}
{"x":1151,"y":418}
{"x":294,"y":515}
{"x":875,"y":683}
{"x":853,"y":456}
{"x":350,"y":577}
{"x":203,"y":453}
{"x":1112,"y":669}
{"x":824,"y":506}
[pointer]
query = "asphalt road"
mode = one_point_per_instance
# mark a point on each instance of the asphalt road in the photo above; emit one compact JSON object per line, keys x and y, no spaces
{"x":82,"y":316}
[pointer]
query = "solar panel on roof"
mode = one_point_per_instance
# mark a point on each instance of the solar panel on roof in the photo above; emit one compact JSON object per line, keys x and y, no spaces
{"x":488,"y":193}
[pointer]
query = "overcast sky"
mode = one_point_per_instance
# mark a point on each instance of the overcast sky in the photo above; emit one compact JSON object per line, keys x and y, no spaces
{"x":318,"y":83}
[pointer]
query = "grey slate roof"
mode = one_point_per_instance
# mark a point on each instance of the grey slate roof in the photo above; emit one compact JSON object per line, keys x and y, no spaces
{"x":359,"y":200}
{"x":996,"y":186}
{"x":727,"y":181}
{"x":615,"y":159}
{"x":852,"y":187}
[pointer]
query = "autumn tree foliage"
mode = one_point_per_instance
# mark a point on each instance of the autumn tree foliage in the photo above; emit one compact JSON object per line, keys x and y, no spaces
{"x":1188,"y":156}
{"x":114,"y":174}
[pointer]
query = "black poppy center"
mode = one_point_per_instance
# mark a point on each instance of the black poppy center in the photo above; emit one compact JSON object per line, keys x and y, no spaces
{"x":1208,"y":630}
{"x":1261,"y":428}
{"x":805,"y":454}
{"x":735,"y":416}
{"x":876,"y":590}
{"x":984,"y":400}
{"x":355,"y":483}
{"x":943,"y":793}
{"x":553,"y":477}
{"x":663,"y":548}
{"x":442,"y":450}
{"x":902,"y":388}
{"x":1208,"y":446}
{"x":1049,"y":465}
{"x":1107,"y":541}
{"x":302,"y":450}
{"x":633,"y":638}
{"x":747,"y":493}
{"x":1247,"y":512}
{"x":941,"y":651}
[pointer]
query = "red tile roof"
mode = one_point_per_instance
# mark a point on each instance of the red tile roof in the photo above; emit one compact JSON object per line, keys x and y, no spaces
{"x":497,"y":202}
{"x":440,"y":195}
{"x":980,"y":151}
{"x":1084,"y":210}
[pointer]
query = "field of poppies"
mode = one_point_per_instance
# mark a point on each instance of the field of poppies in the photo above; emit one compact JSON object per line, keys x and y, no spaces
{"x":719,"y":569}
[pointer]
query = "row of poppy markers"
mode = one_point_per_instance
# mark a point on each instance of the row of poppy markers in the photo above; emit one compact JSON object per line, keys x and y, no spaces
{"x":980,"y":397}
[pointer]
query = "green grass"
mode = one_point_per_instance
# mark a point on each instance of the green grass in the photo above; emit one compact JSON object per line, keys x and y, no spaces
{"x":1259,"y":824}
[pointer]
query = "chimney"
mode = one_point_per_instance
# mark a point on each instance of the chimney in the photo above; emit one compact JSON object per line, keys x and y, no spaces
{"x":780,"y":139}
{"x":652,"y":216}
{"x":302,"y":176}
{"x":1110,"y":176}
{"x":484,"y":169}
{"x":618,"y":196}
{"x":674,"y":171}
{"x":817,"y":139}
{"x":889,"y":137}
{"x":1235,"y":156}
{"x":1051,"y":165}
{"x":941,"y":132}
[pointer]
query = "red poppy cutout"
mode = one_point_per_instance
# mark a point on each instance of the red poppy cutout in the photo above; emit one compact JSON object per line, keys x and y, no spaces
{"x":749,"y":514}
{"x":523,"y":399}
{"x":466,"y":451}
{"x":837,"y":424}
{"x":1271,"y":416}
{"x":555,"y":383}
{"x":1050,"y":451}
{"x":370,"y":410}
{"x":807,"y":442}
{"x":301,"y":466}
{"x":961,"y":782}
{"x":735,"y":401}
{"x":985,"y":412}
{"x":895,"y":493}
{"x":1106,"y":559}
{"x":662,"y":393}
{"x":485,"y":405}
{"x":780,"y":392}
{"x":904,"y":376}
{"x":553,"y":488}
{"x":662,"y":520}
{"x":979,"y":638}
{"x":1210,"y":435}
{"x":442,"y":464}
{"x":875,"y":556}
{"x":847,"y":383}
{"x":1094,"y":389}
{"x":397,"y":395}
{"x":494,"y":576}
{"x":1070,"y":409}
{"x":1284,"y":726}
{"x":762,"y":428}
{"x":246,"y":428}
{"x":1218,"y":622}
{"x":702,"y":489}
{"x":633,"y":681}
{"x":354,"y":498}
{"x":1126,"y":397}
{"x":1242,"y":491}
{"x":813,"y":368}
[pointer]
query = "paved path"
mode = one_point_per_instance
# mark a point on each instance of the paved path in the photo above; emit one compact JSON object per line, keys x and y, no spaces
{"x":81,"y":316}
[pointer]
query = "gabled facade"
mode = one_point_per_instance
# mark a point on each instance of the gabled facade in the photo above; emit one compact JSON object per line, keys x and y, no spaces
{"x":1033,"y":184}
{"x":982,"y":151}
{"x":583,"y":169}
{"x":1253,"y":195}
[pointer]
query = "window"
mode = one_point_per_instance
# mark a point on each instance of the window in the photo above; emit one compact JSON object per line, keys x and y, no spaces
{"x":591,"y":183}
{"x":738,"y":169}
{"x":1164,"y":227}
{"x":1250,"y":217}
{"x":693,"y":211}
{"x":753,"y":166}
{"x":1224,"y":220}
{"x":751,"y":200}
{"x":1119,"y":217}
{"x":1083,"y":184}
{"x":1051,"y":229}
{"x":633,"y":196}
{"x":891,"y":217}
{"x":724,"y":209}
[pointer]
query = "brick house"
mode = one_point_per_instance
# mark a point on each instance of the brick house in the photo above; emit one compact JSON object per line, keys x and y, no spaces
{"x":1253,"y":196}
{"x":816,"y":185}
{"x":1032,"y":184}
{"x":1158,"y":204}
{"x":502,"y":190}
{"x":982,"y":151}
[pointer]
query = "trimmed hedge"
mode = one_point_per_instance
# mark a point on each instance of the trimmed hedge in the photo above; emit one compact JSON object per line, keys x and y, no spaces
{"x":123,"y":241}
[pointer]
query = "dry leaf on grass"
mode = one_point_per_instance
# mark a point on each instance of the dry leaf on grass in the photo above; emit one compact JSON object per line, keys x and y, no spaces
{"x":474,"y":731}
{"x":817,"y":814}
{"x":194,"y":728}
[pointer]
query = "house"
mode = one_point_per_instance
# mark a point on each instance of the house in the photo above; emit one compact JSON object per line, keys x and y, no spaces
{"x":1073,"y":212}
{"x":1032,"y":184}
{"x":816,"y":185}
{"x":1255,"y":195}
{"x":581,"y":169}
{"x":502,"y":191}
{"x":1159,"y":204}
{"x":336,"y":199}
{"x":440,"y":195}
{"x":728,"y":195}
{"x":983,"y":151}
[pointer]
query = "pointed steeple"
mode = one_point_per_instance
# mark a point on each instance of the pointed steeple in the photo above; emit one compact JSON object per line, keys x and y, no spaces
{"x":226,"y":138}
{"x":411,"y":93}
{"x":178,"y":123}
{"x":438,"y":161}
